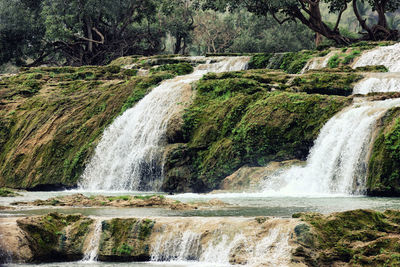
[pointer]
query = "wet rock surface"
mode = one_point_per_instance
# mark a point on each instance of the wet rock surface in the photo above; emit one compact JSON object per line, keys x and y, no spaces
{"x":155,"y":201}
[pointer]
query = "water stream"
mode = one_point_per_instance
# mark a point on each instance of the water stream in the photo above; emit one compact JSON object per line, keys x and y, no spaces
{"x":338,"y":160}
{"x":129,"y":155}
{"x":128,"y":158}
{"x":91,"y":252}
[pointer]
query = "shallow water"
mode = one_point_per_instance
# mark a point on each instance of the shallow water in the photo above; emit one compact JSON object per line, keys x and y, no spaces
{"x":239,"y":204}
{"x":130,"y":264}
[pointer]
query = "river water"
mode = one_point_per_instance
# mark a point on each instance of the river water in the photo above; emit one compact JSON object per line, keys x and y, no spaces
{"x":238,"y":204}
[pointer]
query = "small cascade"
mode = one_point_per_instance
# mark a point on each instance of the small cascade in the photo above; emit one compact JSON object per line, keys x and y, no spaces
{"x":317,"y":63}
{"x":129,"y":155}
{"x":378,"y":83}
{"x":92,"y":250}
{"x":337,"y":163}
{"x":389,"y":56}
{"x":224,"y":241}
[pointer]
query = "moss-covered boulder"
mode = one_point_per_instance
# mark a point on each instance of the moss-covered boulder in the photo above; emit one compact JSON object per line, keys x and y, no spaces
{"x":56,"y":237}
{"x":126,"y":240}
{"x":384,"y":165}
{"x":52,"y":118}
{"x":238,"y":119}
{"x":351,"y":238}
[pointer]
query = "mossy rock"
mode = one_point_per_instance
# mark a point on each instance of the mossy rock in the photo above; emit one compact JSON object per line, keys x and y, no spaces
{"x":355,"y":238}
{"x":125,"y":240}
{"x":56,"y":236}
{"x":236,"y":120}
{"x":48,"y":135}
{"x":384,"y":165}
{"x":292,"y":62}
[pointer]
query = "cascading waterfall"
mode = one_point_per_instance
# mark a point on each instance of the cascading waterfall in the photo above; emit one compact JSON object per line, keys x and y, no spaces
{"x":129,"y":154}
{"x":381,"y":83}
{"x":224,"y":241}
{"x":337,"y":163}
{"x":91,"y":252}
{"x":388,"y":56}
{"x":317,"y":63}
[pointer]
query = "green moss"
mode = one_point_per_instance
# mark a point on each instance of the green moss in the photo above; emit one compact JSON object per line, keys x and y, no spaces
{"x":178,"y":69}
{"x":360,"y":237}
{"x":48,"y":236}
{"x":377,"y":68}
{"x":52,"y":119}
{"x":326,"y":83}
{"x":384,"y":164}
{"x":350,"y":58}
{"x":334,"y":61}
{"x":5,"y":192}
{"x":147,"y":197}
{"x":126,"y":198}
{"x":236,"y":120}
{"x":125,"y":239}
{"x":292,"y":62}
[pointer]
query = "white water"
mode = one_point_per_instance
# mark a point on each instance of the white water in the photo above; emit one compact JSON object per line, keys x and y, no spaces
{"x":129,"y":154}
{"x":389,"y":56}
{"x":337,"y":163}
{"x":224,"y":242}
{"x":379,"y":84}
{"x":92,"y":250}
{"x":317,"y":63}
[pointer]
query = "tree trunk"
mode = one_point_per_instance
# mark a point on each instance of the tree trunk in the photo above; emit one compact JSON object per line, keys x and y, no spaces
{"x":380,"y":9}
{"x":178,"y":44}
{"x":318,"y":39}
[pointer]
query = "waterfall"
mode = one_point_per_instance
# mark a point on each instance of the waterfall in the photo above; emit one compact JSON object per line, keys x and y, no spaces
{"x":317,"y":63}
{"x":389,"y":56}
{"x":129,"y":154}
{"x":91,"y":252}
{"x":337,"y":163}
{"x":381,"y":83}
{"x":224,"y":241}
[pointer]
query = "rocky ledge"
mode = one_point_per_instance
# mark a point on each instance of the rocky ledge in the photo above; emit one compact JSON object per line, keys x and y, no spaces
{"x":154,"y":201}
{"x":351,"y":238}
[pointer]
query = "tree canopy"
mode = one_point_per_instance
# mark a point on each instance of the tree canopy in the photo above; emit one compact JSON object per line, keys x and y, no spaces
{"x":308,"y":12}
{"x":91,"y":32}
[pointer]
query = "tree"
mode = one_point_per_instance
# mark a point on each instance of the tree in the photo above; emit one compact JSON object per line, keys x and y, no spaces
{"x":380,"y":30}
{"x":96,"y":31}
{"x":21,"y":31}
{"x":178,"y":21}
{"x":77,"y":32}
{"x":308,"y":12}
